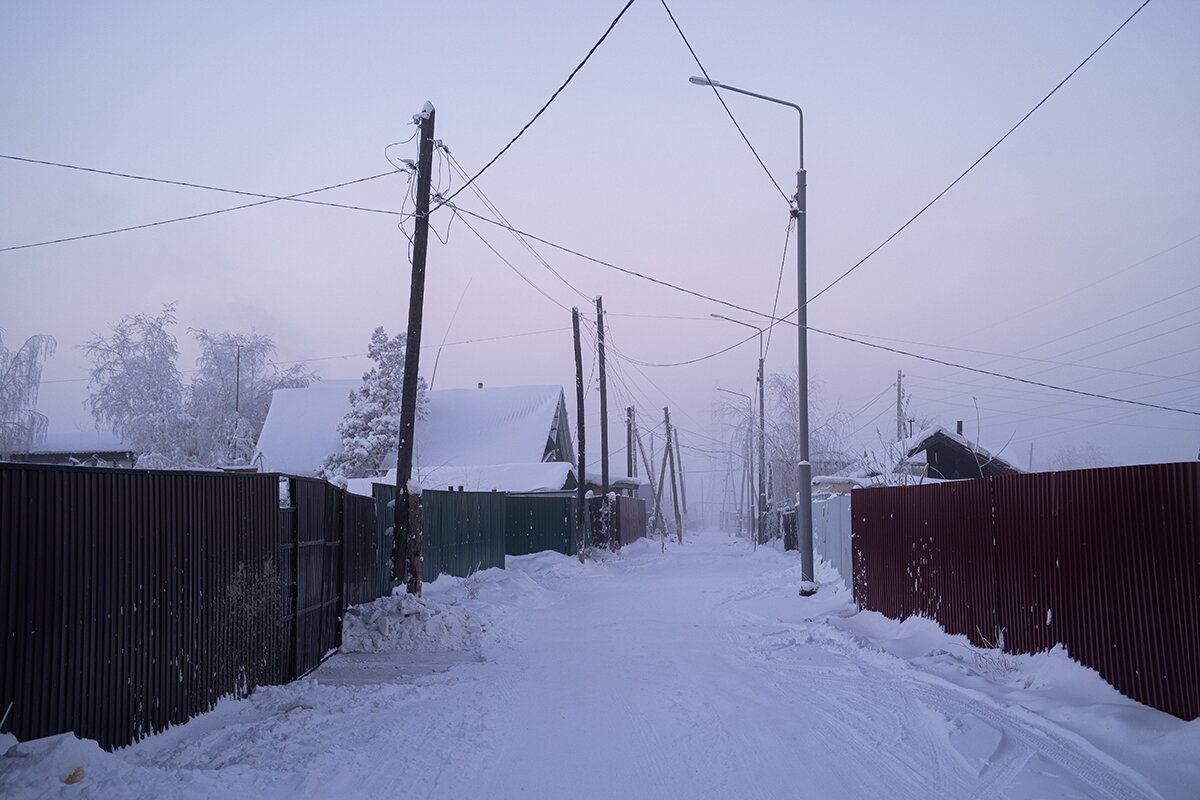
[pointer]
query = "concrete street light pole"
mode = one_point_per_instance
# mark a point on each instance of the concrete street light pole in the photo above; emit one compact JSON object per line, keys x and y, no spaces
{"x":804,"y":466}
{"x":756,"y":532}
{"x":762,"y":428}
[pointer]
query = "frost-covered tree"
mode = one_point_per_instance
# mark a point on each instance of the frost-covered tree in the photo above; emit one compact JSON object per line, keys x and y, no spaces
{"x":21,"y":426}
{"x":229,"y":396}
{"x":136,"y":389}
{"x":826,"y":430}
{"x":1084,"y":456}
{"x":371,"y":428}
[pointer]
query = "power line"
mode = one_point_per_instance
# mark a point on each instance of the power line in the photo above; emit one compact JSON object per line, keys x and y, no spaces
{"x":816,"y":330}
{"x":190,"y":185}
{"x":980,"y":159}
{"x":711,"y":83}
{"x":779,"y":284}
{"x":1094,"y":283}
{"x":270,"y":199}
{"x":541,"y":110}
{"x":520,"y":239}
{"x":1017,"y":357}
{"x":511,"y":266}
{"x":1002,"y":375}
{"x":609,"y":265}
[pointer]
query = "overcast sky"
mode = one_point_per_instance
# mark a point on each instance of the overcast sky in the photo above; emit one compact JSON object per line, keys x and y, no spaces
{"x":1068,"y":256}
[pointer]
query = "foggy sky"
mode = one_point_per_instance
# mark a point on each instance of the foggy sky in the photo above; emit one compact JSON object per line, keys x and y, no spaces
{"x":1068,"y":256}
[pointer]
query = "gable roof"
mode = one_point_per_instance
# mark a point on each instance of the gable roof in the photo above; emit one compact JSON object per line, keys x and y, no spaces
{"x":963,"y":452}
{"x":463,"y":427}
{"x":301,"y":427}
{"x":500,"y":425}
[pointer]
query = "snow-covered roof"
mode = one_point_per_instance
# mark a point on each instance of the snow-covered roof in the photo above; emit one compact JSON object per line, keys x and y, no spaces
{"x":301,"y":427}
{"x":502,"y":425}
{"x":83,"y":442}
{"x":551,"y":476}
{"x":923,"y":440}
{"x":498,"y":425}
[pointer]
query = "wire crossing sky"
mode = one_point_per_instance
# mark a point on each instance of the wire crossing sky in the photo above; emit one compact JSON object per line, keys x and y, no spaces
{"x":632,"y":166}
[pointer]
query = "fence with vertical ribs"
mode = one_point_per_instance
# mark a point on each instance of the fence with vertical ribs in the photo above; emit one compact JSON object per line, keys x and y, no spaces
{"x":1105,"y":562}
{"x":135,"y":599}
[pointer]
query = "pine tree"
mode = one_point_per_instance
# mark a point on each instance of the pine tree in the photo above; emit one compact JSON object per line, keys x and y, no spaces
{"x":370,"y":429}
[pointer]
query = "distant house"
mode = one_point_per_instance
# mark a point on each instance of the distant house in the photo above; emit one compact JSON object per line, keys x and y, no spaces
{"x":951,"y":456}
{"x":89,"y":449}
{"x":508,"y":438}
{"x":933,"y":454}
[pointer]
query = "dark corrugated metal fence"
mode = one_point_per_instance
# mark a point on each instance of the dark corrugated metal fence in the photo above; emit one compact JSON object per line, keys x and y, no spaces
{"x":134,"y":599}
{"x":463,"y":532}
{"x":1105,"y":562}
{"x":537,"y":522}
{"x":626,"y":523}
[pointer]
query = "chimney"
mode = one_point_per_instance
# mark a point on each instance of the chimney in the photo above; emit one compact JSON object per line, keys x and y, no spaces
{"x":960,"y":427}
{"x":481,"y":384}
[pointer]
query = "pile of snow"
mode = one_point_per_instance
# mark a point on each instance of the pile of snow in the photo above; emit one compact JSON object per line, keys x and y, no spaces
{"x":404,"y":623}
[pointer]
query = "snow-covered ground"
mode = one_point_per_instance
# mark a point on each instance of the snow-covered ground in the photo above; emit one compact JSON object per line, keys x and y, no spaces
{"x":698,"y":672}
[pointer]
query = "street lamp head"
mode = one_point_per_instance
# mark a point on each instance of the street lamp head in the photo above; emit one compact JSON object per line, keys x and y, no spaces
{"x":704,"y":82}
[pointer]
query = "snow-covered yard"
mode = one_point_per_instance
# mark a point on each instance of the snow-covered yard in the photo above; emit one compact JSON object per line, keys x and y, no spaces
{"x":698,"y":672}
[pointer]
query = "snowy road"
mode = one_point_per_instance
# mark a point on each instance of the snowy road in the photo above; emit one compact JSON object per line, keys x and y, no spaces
{"x":695,"y":673}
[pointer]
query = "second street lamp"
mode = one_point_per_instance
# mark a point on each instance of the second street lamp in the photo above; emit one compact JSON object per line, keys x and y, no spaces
{"x":803,"y":465}
{"x":755,"y":530}
{"x":762,"y":428}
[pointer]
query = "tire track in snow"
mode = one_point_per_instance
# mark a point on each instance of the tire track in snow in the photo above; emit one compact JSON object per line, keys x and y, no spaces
{"x":1106,"y":778}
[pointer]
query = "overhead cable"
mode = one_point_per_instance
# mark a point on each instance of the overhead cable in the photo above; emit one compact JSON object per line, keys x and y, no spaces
{"x":1002,"y":375}
{"x":609,"y":265}
{"x":269,"y":199}
{"x":712,"y":84}
{"x":542,"y":110}
{"x":977,"y":161}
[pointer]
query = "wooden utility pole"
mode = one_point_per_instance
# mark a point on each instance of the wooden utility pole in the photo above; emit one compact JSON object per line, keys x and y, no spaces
{"x":630,"y":456}
{"x":408,"y":508}
{"x":580,"y":508}
{"x":679,"y":457}
{"x":606,"y":528}
{"x":662,"y":482}
{"x":670,"y":454}
{"x":650,"y":477}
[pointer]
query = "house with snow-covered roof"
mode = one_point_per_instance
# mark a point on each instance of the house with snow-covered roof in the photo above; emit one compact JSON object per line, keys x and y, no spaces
{"x":507,"y":438}
{"x":951,"y":456}
{"x":82,"y":448}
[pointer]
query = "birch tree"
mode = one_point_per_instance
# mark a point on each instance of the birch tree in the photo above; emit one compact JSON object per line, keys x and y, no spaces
{"x":229,"y":396}
{"x":136,"y":389}
{"x":21,"y":425}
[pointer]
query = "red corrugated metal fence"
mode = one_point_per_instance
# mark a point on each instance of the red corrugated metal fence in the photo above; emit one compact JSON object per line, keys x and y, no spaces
{"x":1105,"y":562}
